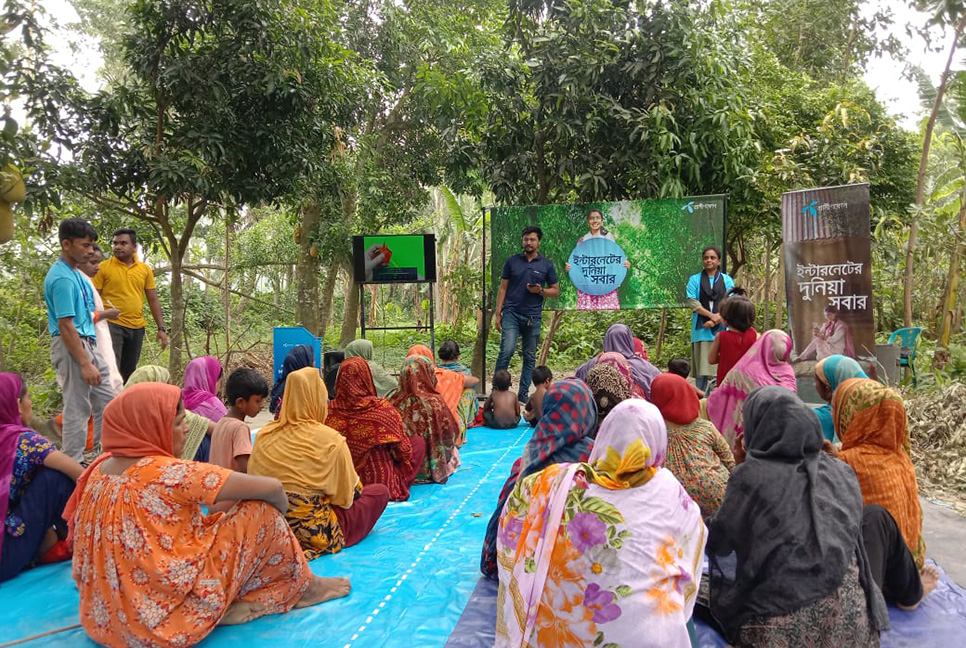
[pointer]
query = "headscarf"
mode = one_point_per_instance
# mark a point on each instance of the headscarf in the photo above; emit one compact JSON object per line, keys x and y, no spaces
{"x":138,"y":423}
{"x":765,"y":363}
{"x":366,"y":420}
{"x":871,"y":421}
{"x":609,"y":387}
{"x":791,"y":514}
{"x":676,"y":398}
{"x":449,"y":383}
{"x":832,"y":372}
{"x":200,"y":381}
{"x":385,"y":383}
{"x":630,"y":447}
{"x":197,"y":424}
{"x":619,"y":339}
{"x":562,"y":435}
{"x":10,"y":429}
{"x":298,"y":449}
{"x":298,"y":358}
{"x":639,"y":349}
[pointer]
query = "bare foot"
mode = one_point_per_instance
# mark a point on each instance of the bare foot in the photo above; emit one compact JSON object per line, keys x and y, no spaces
{"x":321,"y":590}
{"x":930,"y":579}
{"x":242,"y":612}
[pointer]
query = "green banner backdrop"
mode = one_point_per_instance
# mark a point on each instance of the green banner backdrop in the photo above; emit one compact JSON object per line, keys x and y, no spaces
{"x":659,"y":243}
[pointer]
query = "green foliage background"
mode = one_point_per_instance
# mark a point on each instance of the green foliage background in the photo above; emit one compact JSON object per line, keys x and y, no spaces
{"x":661,"y":238}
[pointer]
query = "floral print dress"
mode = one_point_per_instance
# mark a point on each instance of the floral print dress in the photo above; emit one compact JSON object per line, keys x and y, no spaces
{"x":153,"y":571}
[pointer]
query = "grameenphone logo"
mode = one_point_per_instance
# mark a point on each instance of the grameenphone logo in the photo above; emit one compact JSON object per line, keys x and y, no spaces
{"x":810,"y":208}
{"x":825,"y":209}
{"x":691,"y":206}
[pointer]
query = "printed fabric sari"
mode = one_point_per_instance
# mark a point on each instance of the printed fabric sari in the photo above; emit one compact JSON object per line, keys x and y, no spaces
{"x":372,"y":428}
{"x":460,"y":400}
{"x":200,"y":382}
{"x":197,"y":424}
{"x":311,"y":460}
{"x":425,"y":414}
{"x":765,"y":363}
{"x":153,"y":570}
{"x":832,"y":372}
{"x":563,"y":434}
{"x":871,"y":421}
{"x":610,"y":387}
{"x":605,"y":553}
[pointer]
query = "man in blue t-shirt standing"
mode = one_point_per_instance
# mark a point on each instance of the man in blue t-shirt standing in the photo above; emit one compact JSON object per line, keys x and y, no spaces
{"x":527,"y":279}
{"x":80,"y":368}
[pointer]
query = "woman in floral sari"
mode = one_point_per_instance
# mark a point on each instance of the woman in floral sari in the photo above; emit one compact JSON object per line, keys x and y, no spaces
{"x":831,"y":372}
{"x":373,"y":429}
{"x":456,"y":388}
{"x":328,"y":506}
{"x":765,"y":363}
{"x":425,"y":415}
{"x":871,"y":421}
{"x":564,"y":433}
{"x":150,"y":567}
{"x":619,"y":339}
{"x":604,"y":553}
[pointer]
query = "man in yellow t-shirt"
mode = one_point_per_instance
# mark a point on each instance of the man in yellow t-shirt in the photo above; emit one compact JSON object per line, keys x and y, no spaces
{"x":123,"y":282}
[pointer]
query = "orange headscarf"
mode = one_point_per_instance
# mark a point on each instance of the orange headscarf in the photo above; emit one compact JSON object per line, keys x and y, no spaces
{"x":449,"y":383}
{"x":138,"y":422}
{"x":871,"y":421}
{"x":308,"y":457}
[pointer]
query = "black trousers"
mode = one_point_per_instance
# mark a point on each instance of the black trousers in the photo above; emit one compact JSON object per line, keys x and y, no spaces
{"x":893,"y":567}
{"x":127,"y":343}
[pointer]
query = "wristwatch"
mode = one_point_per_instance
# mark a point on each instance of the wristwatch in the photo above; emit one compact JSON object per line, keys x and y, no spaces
{"x":541,"y":290}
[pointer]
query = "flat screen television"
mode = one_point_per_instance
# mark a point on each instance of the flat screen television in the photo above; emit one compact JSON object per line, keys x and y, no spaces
{"x":394,"y":258}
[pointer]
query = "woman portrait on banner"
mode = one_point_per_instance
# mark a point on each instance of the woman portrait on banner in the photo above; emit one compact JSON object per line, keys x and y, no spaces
{"x":597,"y":299}
{"x":705,"y":292}
{"x":832,"y":338}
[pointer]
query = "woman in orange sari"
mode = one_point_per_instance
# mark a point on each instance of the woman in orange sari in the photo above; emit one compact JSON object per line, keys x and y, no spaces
{"x":870,"y":419}
{"x":456,"y":388}
{"x":373,"y":430}
{"x":151,"y":568}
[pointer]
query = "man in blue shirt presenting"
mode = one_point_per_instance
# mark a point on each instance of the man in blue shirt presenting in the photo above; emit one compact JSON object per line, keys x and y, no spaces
{"x":80,"y":368}
{"x":527,"y":279}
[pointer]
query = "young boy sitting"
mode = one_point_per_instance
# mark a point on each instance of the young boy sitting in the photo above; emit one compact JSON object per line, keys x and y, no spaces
{"x":231,"y":440}
{"x":501,"y":410}
{"x":682,"y":367}
{"x":542,"y":378}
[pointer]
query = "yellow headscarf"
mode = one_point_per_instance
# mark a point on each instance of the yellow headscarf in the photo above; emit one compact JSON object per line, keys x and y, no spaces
{"x":308,"y":457}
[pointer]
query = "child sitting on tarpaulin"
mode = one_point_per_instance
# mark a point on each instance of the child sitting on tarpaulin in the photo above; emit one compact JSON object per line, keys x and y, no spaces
{"x":501,"y":410}
{"x":542,"y":379}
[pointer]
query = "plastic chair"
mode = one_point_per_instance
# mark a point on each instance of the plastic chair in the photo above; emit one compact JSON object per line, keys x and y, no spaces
{"x":908,"y":339}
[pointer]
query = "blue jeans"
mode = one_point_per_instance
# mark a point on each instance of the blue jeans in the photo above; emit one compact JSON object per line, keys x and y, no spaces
{"x":514,"y":327}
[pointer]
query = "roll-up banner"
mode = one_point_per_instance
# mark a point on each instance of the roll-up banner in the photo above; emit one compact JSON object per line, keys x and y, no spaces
{"x":828,"y":271}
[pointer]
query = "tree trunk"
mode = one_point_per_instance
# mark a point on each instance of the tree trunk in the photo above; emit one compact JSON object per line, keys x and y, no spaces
{"x":660,"y":334}
{"x":907,"y":280}
{"x":307,"y":273}
{"x":328,"y":291}
{"x":177,"y":318}
{"x":350,"y":319}
{"x":766,"y":290}
{"x":548,"y":339}
{"x":951,"y":294}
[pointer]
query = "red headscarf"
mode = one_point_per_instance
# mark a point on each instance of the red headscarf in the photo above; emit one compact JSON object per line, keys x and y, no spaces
{"x":676,"y":398}
{"x":138,"y":422}
{"x":365,"y":420}
{"x":449,"y":383}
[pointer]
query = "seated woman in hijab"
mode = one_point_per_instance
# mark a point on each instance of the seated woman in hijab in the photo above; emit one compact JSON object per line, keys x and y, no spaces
{"x":619,"y":339}
{"x":298,"y":358}
{"x":788,"y":564}
{"x":36,"y":480}
{"x":328,"y":507}
{"x":610,"y":387}
{"x":200,"y":391}
{"x":696,"y":453}
{"x":871,"y":421}
{"x":607,"y":552}
{"x":456,"y":388}
{"x":199,"y":427}
{"x":831,"y":372}
{"x":373,"y":429}
{"x":425,"y":415}
{"x":150,"y":567}
{"x":386,"y":384}
{"x":564,"y":434}
{"x":765,"y":363}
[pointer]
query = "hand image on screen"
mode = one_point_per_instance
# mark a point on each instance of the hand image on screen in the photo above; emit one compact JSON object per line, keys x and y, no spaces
{"x":376,"y":256}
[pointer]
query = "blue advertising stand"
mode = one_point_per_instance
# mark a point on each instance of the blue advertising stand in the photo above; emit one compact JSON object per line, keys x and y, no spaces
{"x":285,"y":338}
